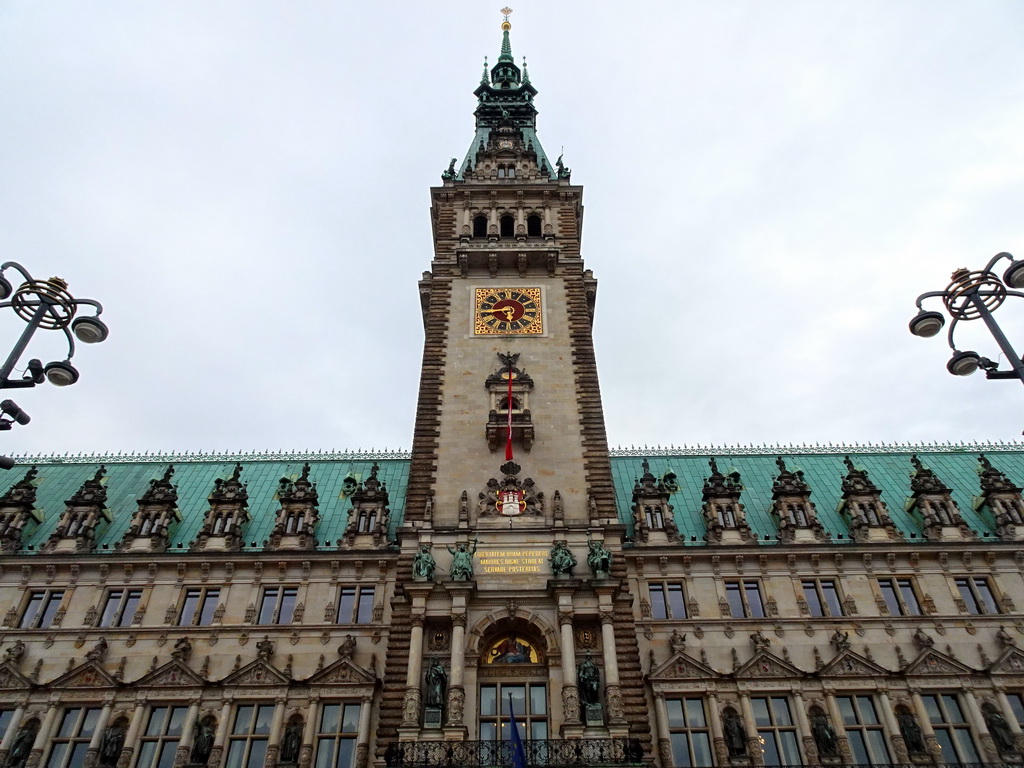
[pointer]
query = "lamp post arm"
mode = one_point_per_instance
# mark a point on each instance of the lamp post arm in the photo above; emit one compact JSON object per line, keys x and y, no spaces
{"x":71,"y":342}
{"x":18,"y":267}
{"x":928,"y":295}
{"x":996,"y":258}
{"x":997,"y":333}
{"x":949,"y":333}
{"x":91,"y":303}
{"x":19,"y":348}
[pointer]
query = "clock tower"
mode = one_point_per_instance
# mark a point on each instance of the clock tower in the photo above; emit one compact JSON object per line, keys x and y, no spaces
{"x":512,"y":585}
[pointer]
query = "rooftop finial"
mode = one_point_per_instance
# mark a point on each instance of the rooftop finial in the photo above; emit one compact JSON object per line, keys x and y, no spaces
{"x":506,"y":44}
{"x":506,"y":24}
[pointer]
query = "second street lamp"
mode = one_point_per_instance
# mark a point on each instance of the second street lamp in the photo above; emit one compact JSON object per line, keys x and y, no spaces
{"x":973,"y":296}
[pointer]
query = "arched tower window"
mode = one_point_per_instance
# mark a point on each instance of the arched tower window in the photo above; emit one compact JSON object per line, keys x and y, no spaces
{"x":508,"y":226}
{"x":480,"y":226}
{"x":533,"y":225}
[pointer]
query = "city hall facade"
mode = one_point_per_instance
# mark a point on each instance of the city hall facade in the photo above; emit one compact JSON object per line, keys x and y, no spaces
{"x":826,"y":606}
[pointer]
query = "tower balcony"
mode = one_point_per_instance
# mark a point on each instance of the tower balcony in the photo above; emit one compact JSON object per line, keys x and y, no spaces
{"x":551,"y":753}
{"x":522,"y":429}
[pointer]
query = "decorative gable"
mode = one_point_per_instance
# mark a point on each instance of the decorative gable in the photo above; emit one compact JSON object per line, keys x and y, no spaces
{"x":370,"y":514}
{"x":76,"y":528}
{"x":932,"y":662}
{"x":793,"y":509}
{"x":342,"y":672}
{"x":851,"y":664}
{"x":299,"y":513}
{"x":724,"y":515}
{"x":682,"y":666}
{"x":862,"y":503}
{"x":173,"y":674}
{"x":766,"y":664}
{"x":1010,"y":662}
{"x":258,"y":672}
{"x":1003,"y":499}
{"x":932,"y":500}
{"x":11,"y":678}
{"x":88,"y":675}
{"x":651,"y":510}
{"x":158,"y":509}
{"x":229,"y":512}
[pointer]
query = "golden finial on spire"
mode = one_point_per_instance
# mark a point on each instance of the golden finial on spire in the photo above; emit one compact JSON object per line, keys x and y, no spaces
{"x":506,"y":25}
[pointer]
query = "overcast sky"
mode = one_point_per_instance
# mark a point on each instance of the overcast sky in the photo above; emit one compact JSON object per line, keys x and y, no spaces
{"x":768,"y":187}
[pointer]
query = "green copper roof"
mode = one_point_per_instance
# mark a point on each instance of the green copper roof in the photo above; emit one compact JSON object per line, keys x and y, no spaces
{"x":890,"y":471}
{"x":127,"y":479}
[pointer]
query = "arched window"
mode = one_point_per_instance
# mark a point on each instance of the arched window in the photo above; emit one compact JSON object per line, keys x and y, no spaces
{"x":511,"y":171}
{"x":501,"y":171}
{"x":512,"y":666}
{"x":508,"y":226}
{"x":533,"y":225}
{"x":480,"y":226}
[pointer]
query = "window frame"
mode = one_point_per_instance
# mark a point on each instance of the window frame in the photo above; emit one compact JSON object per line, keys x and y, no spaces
{"x":898,"y":587}
{"x":740,"y":588}
{"x":279,"y":607}
{"x":128,"y":602}
{"x":533,"y":725}
{"x":970,"y":593}
{"x":207,"y":601}
{"x":661,"y":601}
{"x":777,"y":731}
{"x":339,"y":736}
{"x":953,"y":730}
{"x":252,"y":735}
{"x":50,"y":602}
{"x":681,"y":731}
{"x":73,"y":742}
{"x":361,"y":605}
{"x":822,"y":607}
{"x":859,"y":728}
{"x":163,"y":740}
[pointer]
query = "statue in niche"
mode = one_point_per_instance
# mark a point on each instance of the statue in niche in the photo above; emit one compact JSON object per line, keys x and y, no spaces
{"x":202,"y":742}
{"x":437,"y":682}
{"x":599,"y":559}
{"x":735,"y":733}
{"x":423,"y":564}
{"x":562,"y":559}
{"x":292,"y":742}
{"x":1000,"y":730}
{"x":462,"y":561}
{"x":824,"y":735}
{"x":21,"y":748}
{"x":589,"y":679}
{"x":113,"y":741}
{"x":911,"y":733}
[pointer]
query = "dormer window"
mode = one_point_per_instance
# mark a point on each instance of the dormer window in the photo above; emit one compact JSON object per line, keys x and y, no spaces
{"x":655,"y":518}
{"x":367,"y":519}
{"x":508,"y":226}
{"x":294,"y":522}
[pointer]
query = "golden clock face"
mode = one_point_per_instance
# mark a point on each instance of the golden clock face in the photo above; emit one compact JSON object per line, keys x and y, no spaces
{"x":507,"y":311}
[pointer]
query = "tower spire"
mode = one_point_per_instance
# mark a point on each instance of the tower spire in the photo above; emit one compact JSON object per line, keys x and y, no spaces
{"x":506,"y":43}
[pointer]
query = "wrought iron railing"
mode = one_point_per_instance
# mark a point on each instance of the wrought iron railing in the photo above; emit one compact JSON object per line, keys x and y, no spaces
{"x":550,"y":753}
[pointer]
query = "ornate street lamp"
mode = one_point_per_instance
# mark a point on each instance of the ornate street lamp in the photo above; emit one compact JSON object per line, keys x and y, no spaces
{"x":973,"y":295}
{"x":46,"y":304}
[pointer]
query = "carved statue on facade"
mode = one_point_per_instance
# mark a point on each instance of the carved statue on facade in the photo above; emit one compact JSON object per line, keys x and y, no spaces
{"x":437,"y":683}
{"x":182,"y":649}
{"x":265,"y":649}
{"x":911,"y":733}
{"x":735,"y":733}
{"x":202,"y":741}
{"x":562,"y":559}
{"x":113,"y":741}
{"x":21,"y":748}
{"x":291,"y":744}
{"x":1000,"y":730}
{"x":824,"y":735}
{"x":98,"y":652}
{"x":599,"y":559}
{"x":589,"y":681}
{"x":347,"y":649}
{"x":15,"y":653}
{"x":423,"y":564}
{"x":840,"y":641}
{"x":462,"y":561}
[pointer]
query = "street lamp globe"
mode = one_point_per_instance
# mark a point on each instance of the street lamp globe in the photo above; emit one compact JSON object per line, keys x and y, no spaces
{"x":89,"y":330}
{"x":1014,"y":275}
{"x":963,"y":363}
{"x":5,"y":288}
{"x":927,"y":324}
{"x":61,"y":374}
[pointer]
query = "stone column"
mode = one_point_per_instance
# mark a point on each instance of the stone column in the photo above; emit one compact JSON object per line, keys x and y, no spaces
{"x":93,"y":752}
{"x":42,"y":736}
{"x":842,"y":737}
{"x":662,"y":735}
{"x":570,"y":686}
{"x":930,"y":742}
{"x":1011,"y":720}
{"x":309,"y":733}
{"x":411,"y":705}
{"x":132,"y":737}
{"x":754,"y":749}
{"x":803,"y":726}
{"x":899,"y":745}
{"x":456,"y":689}
{"x":274,"y":738}
{"x":221,"y":736}
{"x":612,"y":689}
{"x":363,"y":733}
{"x":181,"y":756}
{"x":12,"y":730}
{"x":988,"y":744}
{"x":717,"y":732}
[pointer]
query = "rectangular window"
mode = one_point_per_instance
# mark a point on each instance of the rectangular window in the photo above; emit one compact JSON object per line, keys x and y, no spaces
{"x":355,"y":605}
{"x":336,"y":736}
{"x":977,"y":594}
{"x":247,"y":744}
{"x":952,"y":730}
{"x":199,"y":606}
{"x":120,"y":607}
{"x":822,"y":596}
{"x":1017,"y":705}
{"x":900,"y":596}
{"x":530,"y":704}
{"x":278,"y":605}
{"x":744,"y":596}
{"x":159,"y":741}
{"x":77,"y":726}
{"x":864,"y":729}
{"x":42,"y":606}
{"x":668,"y":601}
{"x":774,"y":720}
{"x":689,"y":733}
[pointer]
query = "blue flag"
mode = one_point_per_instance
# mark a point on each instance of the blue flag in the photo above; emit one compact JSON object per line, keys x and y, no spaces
{"x":516,"y":743}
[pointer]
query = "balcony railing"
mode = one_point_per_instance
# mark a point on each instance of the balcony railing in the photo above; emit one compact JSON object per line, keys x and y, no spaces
{"x":551,"y":753}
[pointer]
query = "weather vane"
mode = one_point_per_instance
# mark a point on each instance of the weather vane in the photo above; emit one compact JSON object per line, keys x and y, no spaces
{"x":506,"y":24}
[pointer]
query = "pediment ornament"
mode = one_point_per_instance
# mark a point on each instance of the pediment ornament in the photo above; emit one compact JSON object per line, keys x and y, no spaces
{"x":1011,"y":662}
{"x":932,"y":662}
{"x":850,"y":664}
{"x":682,"y":666}
{"x":765,"y":664}
{"x":88,"y":675}
{"x":10,"y":678}
{"x":173,"y":674}
{"x":343,"y":671}
{"x":258,"y":672}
